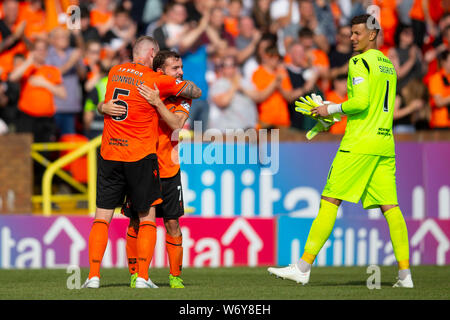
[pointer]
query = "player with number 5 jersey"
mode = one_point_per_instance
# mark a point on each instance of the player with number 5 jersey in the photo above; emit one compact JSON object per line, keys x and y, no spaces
{"x":134,"y":135}
{"x":127,"y":163}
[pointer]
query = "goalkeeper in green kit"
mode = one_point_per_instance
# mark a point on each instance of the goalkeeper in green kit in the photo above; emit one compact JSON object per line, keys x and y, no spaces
{"x":364,"y":166}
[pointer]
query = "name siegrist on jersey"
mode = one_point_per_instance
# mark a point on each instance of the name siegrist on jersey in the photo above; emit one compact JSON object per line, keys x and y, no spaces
{"x":128,"y":79}
{"x":386,"y":69}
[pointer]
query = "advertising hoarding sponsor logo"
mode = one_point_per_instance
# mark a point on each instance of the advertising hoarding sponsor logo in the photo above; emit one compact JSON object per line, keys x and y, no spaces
{"x":58,"y":242}
{"x":358,"y":242}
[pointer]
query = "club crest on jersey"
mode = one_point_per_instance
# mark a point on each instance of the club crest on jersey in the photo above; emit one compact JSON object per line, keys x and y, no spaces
{"x":357,"y":80}
{"x":185,"y":105}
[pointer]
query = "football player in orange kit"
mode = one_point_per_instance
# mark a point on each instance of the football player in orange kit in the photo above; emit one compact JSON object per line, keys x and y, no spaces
{"x":127,"y":163}
{"x":174,"y":112}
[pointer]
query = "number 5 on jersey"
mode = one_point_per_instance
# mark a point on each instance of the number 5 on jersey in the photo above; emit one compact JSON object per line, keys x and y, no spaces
{"x":121,"y":92}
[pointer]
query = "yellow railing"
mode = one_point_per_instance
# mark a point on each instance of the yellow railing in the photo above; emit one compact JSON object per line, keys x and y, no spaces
{"x":86,"y":192}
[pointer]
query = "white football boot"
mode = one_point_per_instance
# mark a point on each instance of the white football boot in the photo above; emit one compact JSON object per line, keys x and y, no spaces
{"x":142,"y":283}
{"x":92,"y":283}
{"x":291,"y":272}
{"x":405,"y":283}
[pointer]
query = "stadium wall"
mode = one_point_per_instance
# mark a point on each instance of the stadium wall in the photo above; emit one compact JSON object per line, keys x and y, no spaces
{"x":57,"y":242}
{"x":16,"y":182}
{"x":256,"y":210}
{"x":231,"y":180}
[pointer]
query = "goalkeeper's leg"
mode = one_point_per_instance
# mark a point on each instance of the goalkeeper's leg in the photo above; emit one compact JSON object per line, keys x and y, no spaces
{"x":400,"y":243}
{"x":320,"y":231}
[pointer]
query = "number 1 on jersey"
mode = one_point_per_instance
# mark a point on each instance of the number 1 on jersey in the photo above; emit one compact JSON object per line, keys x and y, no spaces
{"x":386,"y":98}
{"x":121,"y":92}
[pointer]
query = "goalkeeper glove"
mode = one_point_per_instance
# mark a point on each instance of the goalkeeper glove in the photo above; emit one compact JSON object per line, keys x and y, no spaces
{"x":306,"y":104}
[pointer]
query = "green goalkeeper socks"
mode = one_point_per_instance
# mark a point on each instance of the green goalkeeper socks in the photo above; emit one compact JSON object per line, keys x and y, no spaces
{"x":399,"y":236}
{"x":320,"y":230}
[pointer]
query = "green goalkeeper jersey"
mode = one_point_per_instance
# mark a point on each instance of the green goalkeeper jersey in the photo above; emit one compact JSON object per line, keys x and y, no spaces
{"x":371,"y":86}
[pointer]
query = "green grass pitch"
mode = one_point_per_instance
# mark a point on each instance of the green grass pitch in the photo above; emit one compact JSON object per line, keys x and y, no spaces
{"x":237,"y":283}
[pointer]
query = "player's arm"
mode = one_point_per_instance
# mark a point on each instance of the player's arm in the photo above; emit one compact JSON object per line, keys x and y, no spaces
{"x":191,"y":91}
{"x":359,"y":75}
{"x":174,"y":120}
{"x":168,"y":86}
{"x":111,"y":108}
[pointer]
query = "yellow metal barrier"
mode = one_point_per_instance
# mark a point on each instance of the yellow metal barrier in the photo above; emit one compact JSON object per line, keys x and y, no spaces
{"x":54,"y":168}
{"x":86,"y":192}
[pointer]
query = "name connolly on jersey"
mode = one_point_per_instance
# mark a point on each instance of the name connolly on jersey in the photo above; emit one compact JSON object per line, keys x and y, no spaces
{"x":128,"y":80}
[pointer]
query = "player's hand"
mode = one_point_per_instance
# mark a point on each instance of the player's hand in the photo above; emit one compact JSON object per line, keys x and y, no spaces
{"x":38,"y":81}
{"x":151,"y":95}
{"x":112,"y":109}
{"x":320,"y":111}
{"x":305,"y":105}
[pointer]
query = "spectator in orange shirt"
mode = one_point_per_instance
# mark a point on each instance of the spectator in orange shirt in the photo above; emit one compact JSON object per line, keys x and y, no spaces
{"x":317,"y":57}
{"x":12,"y":35}
{"x":389,"y":19}
{"x":275,"y":90}
{"x":33,"y":13}
{"x":439,"y":88}
{"x":422,"y":19}
{"x":40,"y":84}
{"x":102,"y":16}
{"x":338,"y":95}
{"x":231,"y":21}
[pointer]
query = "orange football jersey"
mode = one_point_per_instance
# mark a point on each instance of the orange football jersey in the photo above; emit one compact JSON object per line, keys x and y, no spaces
{"x":134,"y":135}
{"x":168,"y":160}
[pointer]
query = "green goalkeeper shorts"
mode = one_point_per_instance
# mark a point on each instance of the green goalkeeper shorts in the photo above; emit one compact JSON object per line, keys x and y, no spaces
{"x":369,"y":178}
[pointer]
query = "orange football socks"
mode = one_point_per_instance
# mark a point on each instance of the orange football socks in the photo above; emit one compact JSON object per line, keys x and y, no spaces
{"x":146,"y":241}
{"x":131,"y":248}
{"x":175,"y":252}
{"x":98,"y":240}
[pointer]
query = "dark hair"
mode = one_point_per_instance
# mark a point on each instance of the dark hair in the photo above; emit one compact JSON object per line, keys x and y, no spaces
{"x":121,"y":9}
{"x":272,"y":50}
{"x":305,"y":32}
{"x":84,"y":11}
{"x":171,"y":4}
{"x":341,"y":76}
{"x":161,"y":57}
{"x":398,"y":32}
{"x":444,"y":55}
{"x":366,"y":19}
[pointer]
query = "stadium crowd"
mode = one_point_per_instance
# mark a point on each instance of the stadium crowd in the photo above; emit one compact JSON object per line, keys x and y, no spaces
{"x":251,"y":58}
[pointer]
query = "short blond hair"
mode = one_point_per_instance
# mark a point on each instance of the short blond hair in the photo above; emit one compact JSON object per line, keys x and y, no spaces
{"x":138,"y":44}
